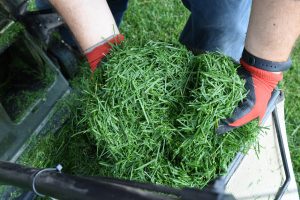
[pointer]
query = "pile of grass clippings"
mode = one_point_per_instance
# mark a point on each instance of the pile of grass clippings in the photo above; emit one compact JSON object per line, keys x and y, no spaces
{"x":150,"y":111}
{"x":153,"y":110}
{"x":194,"y":153}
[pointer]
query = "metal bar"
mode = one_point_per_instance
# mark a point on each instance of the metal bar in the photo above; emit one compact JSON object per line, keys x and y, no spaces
{"x":284,"y":187}
{"x":62,"y":186}
{"x":143,"y":186}
{"x":233,"y":167}
{"x":276,"y":97}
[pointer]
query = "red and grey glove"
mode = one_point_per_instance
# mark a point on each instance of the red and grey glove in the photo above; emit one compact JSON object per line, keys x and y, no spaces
{"x":260,"y":83}
{"x":95,"y":55}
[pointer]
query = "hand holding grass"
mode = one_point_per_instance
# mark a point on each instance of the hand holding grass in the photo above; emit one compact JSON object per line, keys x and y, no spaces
{"x":96,"y":54}
{"x":268,"y":49}
{"x":260,"y":85}
{"x":93,"y":26}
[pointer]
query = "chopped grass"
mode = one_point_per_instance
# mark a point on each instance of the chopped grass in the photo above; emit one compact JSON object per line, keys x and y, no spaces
{"x":150,"y":113}
{"x":154,"y":117}
{"x":174,"y":143}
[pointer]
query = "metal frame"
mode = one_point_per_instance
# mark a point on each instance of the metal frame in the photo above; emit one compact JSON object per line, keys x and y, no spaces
{"x":276,"y":98}
{"x":287,"y":180}
{"x":63,"y":186}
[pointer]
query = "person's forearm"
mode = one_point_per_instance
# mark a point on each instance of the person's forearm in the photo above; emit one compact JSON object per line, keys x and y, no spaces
{"x":273,"y":28}
{"x":90,"y":21}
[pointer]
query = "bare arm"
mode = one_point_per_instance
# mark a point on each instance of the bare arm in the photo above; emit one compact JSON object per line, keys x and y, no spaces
{"x":91,"y":21}
{"x":273,"y":28}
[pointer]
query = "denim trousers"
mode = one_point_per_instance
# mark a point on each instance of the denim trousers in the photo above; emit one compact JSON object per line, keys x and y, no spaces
{"x":216,"y":25}
{"x":213,"y":25}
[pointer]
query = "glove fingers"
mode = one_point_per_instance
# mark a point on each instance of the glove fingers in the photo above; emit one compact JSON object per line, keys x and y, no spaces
{"x":224,"y":128}
{"x":259,"y":85}
{"x":224,"y":125}
{"x":243,"y":109}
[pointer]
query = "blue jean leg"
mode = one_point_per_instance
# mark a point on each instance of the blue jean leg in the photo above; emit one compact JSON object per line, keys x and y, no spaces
{"x":118,"y":8}
{"x":216,"y":25}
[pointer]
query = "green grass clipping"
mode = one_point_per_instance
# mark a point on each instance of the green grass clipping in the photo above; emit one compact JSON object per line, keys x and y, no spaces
{"x":149,"y":114}
{"x":173,"y":143}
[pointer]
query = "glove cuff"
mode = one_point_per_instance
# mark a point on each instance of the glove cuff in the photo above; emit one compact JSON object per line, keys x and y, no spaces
{"x":262,"y":74}
{"x":265,"y":64}
{"x":96,"y":54}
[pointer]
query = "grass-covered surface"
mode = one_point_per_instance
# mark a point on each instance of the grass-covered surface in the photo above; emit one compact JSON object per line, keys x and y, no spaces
{"x":150,"y":112}
{"x":292,"y":109}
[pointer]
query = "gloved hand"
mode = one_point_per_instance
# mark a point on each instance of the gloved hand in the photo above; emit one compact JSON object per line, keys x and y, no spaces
{"x":95,"y":55}
{"x":260,"y":85}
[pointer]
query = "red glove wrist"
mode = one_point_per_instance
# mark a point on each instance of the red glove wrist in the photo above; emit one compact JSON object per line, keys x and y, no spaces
{"x":98,"y":53}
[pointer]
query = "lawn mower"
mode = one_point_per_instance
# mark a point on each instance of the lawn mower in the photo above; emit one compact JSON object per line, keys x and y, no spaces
{"x":36,"y":65}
